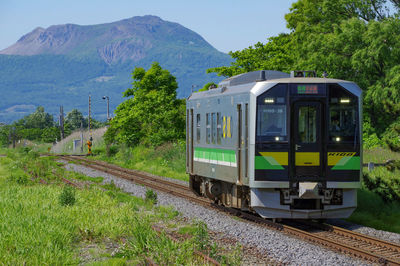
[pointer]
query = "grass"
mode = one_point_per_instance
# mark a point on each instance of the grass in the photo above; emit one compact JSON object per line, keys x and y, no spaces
{"x":379,"y":155}
{"x":166,"y":160}
{"x":169,"y":160}
{"x":38,"y":227}
{"x":372,"y":211}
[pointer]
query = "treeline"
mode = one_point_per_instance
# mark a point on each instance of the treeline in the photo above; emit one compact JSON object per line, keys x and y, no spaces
{"x":353,"y":40}
{"x":41,"y":127}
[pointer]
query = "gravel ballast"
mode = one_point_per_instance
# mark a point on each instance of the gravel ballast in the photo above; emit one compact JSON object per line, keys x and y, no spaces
{"x":276,"y":245}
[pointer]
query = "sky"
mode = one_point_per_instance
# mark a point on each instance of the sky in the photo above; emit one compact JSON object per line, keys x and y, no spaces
{"x":228,"y":25}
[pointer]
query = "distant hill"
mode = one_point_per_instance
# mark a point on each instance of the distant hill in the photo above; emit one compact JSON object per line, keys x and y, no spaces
{"x":60,"y":65}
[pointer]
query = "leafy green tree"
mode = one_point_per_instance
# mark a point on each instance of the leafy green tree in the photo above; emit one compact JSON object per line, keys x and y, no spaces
{"x":50,"y":134}
{"x":276,"y":54}
{"x":153,"y":115}
{"x":38,"y":119}
{"x":207,"y":86}
{"x":4,"y":135}
{"x":354,"y":40}
{"x":74,"y":119}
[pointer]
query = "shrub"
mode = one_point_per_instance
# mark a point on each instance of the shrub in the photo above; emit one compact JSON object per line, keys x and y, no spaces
{"x":384,"y":183}
{"x":111,"y":150}
{"x":67,"y":196}
{"x":151,"y":196}
{"x":201,"y":235}
{"x":19,"y":178}
{"x":392,"y":136}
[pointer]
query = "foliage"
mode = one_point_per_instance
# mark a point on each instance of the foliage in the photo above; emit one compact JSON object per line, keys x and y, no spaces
{"x":166,"y":160}
{"x":372,"y":211}
{"x":384,"y":183}
{"x":392,"y":136}
{"x":75,"y":119}
{"x":349,"y":39}
{"x":67,"y":196}
{"x":50,"y":134}
{"x":151,"y":196}
{"x":275,"y":54}
{"x":154,"y":115}
{"x":201,"y":235}
{"x":39,"y":119}
{"x":207,"y":86}
{"x":104,"y":216}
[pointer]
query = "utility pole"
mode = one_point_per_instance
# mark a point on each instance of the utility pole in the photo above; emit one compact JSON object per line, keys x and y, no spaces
{"x":108,"y":107}
{"x":89,"y":113}
{"x":90,"y":141}
{"x":62,"y":121}
{"x":81,"y":136}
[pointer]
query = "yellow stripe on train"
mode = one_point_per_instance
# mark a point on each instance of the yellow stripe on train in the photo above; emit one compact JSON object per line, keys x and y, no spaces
{"x":335,"y":157}
{"x":307,"y":158}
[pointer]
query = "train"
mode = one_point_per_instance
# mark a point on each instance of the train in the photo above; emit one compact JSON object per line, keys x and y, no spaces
{"x":283,"y":145}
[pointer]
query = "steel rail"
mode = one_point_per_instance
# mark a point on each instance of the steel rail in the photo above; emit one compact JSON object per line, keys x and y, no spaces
{"x":385,"y":253}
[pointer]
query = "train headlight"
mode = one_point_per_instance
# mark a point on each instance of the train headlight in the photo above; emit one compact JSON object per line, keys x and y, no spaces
{"x":277,"y":138}
{"x":345,"y":100}
{"x":269,"y":100}
{"x":337,"y":139}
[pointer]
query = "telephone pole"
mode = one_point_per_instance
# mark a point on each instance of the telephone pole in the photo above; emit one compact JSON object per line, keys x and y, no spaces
{"x":89,"y":126}
{"x":62,"y":121}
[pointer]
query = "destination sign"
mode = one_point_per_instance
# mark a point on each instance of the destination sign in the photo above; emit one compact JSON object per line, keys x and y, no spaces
{"x":307,"y":89}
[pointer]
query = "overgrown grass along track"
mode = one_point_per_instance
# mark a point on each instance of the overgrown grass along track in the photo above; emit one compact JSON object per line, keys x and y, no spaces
{"x":339,"y":239}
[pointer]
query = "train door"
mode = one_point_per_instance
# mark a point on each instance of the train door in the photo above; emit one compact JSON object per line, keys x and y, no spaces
{"x":191,"y":140}
{"x":240,"y":144}
{"x":307,"y":140}
{"x":187,"y":141}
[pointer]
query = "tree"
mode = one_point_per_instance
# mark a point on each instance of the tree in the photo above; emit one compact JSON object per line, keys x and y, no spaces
{"x":355,"y":40}
{"x":153,"y":115}
{"x":207,"y":86}
{"x":38,"y":119}
{"x":74,"y":119}
{"x":276,"y":54}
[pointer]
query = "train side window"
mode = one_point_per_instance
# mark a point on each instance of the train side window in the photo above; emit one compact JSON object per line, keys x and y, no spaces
{"x":208,"y":128}
{"x":198,"y":128}
{"x":219,"y":128}
{"x":213,"y":127}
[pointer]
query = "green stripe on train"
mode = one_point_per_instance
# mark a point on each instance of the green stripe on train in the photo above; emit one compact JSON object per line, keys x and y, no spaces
{"x":266,"y":163}
{"x":215,"y":154}
{"x":348,"y":163}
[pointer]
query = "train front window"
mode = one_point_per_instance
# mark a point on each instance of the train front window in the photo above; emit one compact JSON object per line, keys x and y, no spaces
{"x":307,"y":124}
{"x":342,"y":114}
{"x":272,"y":114}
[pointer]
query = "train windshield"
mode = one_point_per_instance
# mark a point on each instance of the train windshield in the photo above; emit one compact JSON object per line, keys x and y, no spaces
{"x":271,"y":114}
{"x":342,"y":114}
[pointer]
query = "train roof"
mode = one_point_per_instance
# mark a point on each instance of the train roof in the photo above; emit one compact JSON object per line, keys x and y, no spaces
{"x":245,"y":82}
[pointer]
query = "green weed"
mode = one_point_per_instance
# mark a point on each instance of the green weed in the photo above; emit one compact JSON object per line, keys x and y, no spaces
{"x":151,"y":196}
{"x":67,"y":196}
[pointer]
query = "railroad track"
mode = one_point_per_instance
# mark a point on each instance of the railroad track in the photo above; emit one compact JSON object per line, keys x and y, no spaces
{"x":346,"y":241}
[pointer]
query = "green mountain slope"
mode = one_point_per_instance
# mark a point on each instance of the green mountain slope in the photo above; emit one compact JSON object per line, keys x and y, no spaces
{"x":61,"y":65}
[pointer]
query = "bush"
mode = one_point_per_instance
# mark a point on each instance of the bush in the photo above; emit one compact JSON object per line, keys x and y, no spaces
{"x":201,"y":235}
{"x":19,"y":178}
{"x":392,"y":136}
{"x":111,"y":150}
{"x":67,"y":196}
{"x":151,"y":196}
{"x":384,"y":183}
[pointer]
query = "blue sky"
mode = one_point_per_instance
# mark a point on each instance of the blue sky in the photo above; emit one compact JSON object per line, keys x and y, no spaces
{"x":228,"y":25}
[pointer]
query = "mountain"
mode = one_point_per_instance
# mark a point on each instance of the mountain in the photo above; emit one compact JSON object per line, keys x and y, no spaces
{"x":62,"y":64}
